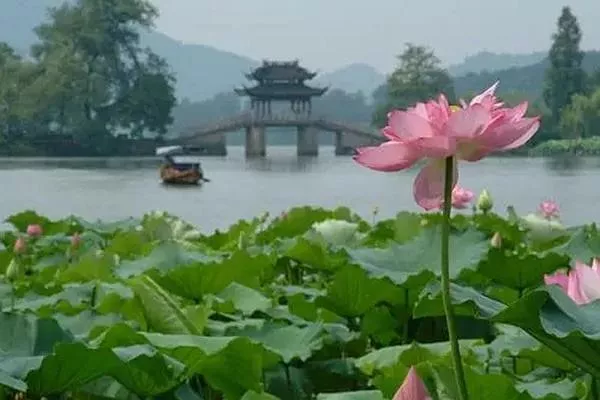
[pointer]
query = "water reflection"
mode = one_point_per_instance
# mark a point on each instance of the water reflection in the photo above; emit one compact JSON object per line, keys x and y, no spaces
{"x":168,"y":187}
{"x":282,"y":164}
{"x":79,"y":163}
{"x":567,"y":165}
{"x":115,"y":188}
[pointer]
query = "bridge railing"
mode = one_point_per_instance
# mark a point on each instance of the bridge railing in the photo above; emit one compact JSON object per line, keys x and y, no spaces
{"x":247,"y":118}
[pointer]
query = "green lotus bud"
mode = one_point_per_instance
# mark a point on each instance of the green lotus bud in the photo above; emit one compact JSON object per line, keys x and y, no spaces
{"x":496,"y":240}
{"x":243,"y":241}
{"x":337,"y":232}
{"x":541,"y":230}
{"x":485,"y":201}
{"x":13,"y":270}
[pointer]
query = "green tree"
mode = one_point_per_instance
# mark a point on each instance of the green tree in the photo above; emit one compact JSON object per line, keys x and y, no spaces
{"x":15,"y":77}
{"x":594,"y":80}
{"x":343,"y":106}
{"x":418,"y":77}
{"x":581,"y":118}
{"x":96,"y":79}
{"x":565,"y":76}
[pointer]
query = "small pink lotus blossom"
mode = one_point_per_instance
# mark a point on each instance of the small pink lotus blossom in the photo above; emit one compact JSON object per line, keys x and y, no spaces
{"x":75,"y":240}
{"x":412,"y":388}
{"x":461,"y":197}
{"x":581,"y":284}
{"x":34,"y":230}
{"x":435,"y":130}
{"x":20,"y":245}
{"x":549,"y":209}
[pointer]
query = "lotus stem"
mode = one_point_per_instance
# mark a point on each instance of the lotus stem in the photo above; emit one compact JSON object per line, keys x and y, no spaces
{"x":459,"y":372}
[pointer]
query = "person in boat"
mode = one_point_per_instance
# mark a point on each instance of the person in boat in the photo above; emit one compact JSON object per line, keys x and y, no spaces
{"x":169,"y":161}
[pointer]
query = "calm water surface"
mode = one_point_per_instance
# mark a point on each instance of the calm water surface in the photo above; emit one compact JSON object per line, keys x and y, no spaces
{"x":118,"y":188}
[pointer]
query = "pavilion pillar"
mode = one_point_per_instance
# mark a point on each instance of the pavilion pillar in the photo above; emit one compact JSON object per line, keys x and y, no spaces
{"x":256,"y":144}
{"x":339,"y":143}
{"x":307,"y":141}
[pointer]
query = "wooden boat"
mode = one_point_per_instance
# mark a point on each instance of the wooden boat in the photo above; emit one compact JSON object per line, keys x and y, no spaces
{"x":179,"y":168}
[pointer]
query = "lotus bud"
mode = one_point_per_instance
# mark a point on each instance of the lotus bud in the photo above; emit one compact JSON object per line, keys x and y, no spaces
{"x":337,"y":232}
{"x":34,"y":230}
{"x":485,"y":201}
{"x":496,"y":240}
{"x":75,"y":240}
{"x":20,"y":246}
{"x":242,"y":241}
{"x":13,"y":270}
{"x":412,"y":388}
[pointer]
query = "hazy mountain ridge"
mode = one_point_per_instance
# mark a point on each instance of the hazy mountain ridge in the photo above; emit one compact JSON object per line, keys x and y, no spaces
{"x":526,"y":79}
{"x":357,"y":77}
{"x":491,"y":62}
{"x":203,"y":71}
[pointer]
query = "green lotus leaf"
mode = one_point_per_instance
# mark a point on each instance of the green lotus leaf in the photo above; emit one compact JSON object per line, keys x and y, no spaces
{"x":547,"y":314}
{"x":416,"y":261}
{"x":161,"y":310}
{"x":358,"y":395}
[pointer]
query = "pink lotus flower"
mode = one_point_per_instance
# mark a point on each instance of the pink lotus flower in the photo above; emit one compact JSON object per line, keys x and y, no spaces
{"x":20,"y":246}
{"x":461,"y":197}
{"x":435,"y":130}
{"x":34,"y":230}
{"x":412,"y":388}
{"x":581,"y":284}
{"x":549,"y":209}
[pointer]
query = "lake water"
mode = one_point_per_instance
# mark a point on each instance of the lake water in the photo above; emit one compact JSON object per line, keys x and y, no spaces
{"x":239,"y":188}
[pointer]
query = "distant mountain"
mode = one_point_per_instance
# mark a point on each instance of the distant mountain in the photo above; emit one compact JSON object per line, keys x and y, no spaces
{"x":201,"y":71}
{"x":356,"y":77}
{"x":487,"y":61}
{"x":528,"y":80}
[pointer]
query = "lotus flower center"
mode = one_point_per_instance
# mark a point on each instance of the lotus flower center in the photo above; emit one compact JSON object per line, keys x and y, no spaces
{"x":454,"y":108}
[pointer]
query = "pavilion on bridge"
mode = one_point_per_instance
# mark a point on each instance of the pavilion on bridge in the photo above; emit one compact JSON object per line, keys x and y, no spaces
{"x":280,"y":81}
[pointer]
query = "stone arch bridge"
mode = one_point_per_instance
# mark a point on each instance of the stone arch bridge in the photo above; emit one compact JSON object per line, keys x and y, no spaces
{"x":213,"y":138}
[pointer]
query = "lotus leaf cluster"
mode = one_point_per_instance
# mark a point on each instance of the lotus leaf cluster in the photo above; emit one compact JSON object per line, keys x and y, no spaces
{"x":313,"y":304}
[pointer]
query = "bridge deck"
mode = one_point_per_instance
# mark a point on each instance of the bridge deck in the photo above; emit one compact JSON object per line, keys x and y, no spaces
{"x":246,"y":120}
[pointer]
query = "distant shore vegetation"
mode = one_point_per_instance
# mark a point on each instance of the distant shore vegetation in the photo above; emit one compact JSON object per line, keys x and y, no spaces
{"x":89,"y":88}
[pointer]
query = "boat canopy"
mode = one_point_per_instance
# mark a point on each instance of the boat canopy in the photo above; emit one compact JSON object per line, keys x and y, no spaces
{"x":176,"y":150}
{"x":186,"y":159}
{"x":169,"y":150}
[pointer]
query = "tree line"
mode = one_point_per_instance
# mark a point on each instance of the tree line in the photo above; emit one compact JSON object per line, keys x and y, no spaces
{"x":86,"y":81}
{"x":567,"y":97}
{"x":570,"y":101}
{"x":88,"y":85}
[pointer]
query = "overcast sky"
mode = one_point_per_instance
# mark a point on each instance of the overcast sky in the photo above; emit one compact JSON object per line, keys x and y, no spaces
{"x":327,"y":34}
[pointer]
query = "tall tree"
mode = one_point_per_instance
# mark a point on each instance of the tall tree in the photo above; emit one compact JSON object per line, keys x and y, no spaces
{"x":565,"y":77}
{"x":418,"y":77}
{"x":107,"y":83}
{"x":581,"y":118}
{"x":16,"y":75}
